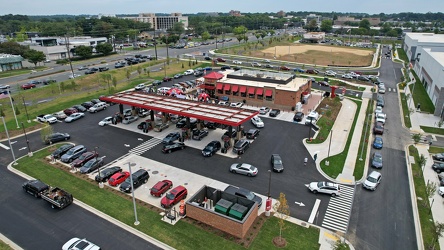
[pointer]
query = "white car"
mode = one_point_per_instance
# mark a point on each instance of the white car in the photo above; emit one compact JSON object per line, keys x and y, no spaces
{"x":354,"y":75}
{"x":330,"y":73}
{"x":378,"y":110}
{"x":266,"y":61}
{"x":380,"y":117}
{"x":140,"y":86}
{"x":237,"y":62}
{"x":106,"y":121}
{"x":236,"y":104}
{"x":372,"y":181}
{"x":223,"y":103}
{"x":381,"y":90}
{"x":347,"y":76}
{"x":4,"y":86}
{"x":188,"y":72}
{"x":72,"y":76}
{"x":163,"y":90}
{"x":255,"y":64}
{"x":77,"y":243}
{"x":264,"y":110}
{"x":74,"y":116}
{"x":257,"y":122}
{"x":325,"y":187}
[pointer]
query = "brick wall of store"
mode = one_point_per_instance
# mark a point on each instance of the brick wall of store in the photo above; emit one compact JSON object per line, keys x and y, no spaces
{"x":229,"y":226}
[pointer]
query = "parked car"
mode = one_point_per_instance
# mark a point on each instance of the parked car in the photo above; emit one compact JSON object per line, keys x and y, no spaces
{"x":241,"y":146}
{"x":118,"y":178}
{"x":84,"y":158}
{"x":243,"y":168}
{"x":330,"y":73}
{"x":105,"y":174}
{"x":60,"y":115}
{"x":236,"y":104}
{"x":284,"y":68}
{"x":140,"y":87}
{"x":129,"y":119}
{"x":61,"y":150}
{"x":347,"y":76}
{"x":167,"y":79}
{"x":225,"y":67}
{"x":92,"y":165}
{"x":377,"y":160}
{"x":324,"y":83}
{"x":198,"y":134}
{"x":161,"y":187}
{"x":56,"y":137}
{"x":211,"y":148}
{"x":70,"y":111}
{"x":312,"y":71}
{"x":74,"y":117}
{"x":298,"y":117}
{"x":324,"y":187}
{"x":378,"y":129}
{"x":438,"y":157}
{"x":274,"y":112}
{"x":174,"y":196}
{"x":363,"y":78}
{"x":253,"y":133}
{"x":79,"y":108}
{"x":73,"y":154}
{"x":438,"y":166}
{"x":28,"y":86}
{"x":171,"y":137}
{"x":77,"y":243}
{"x":160,"y":126}
{"x":105,"y":121}
{"x":156,"y":82}
{"x":35,"y":187}
{"x":378,"y":143}
{"x":257,"y":122}
{"x":168,"y":148}
{"x":87,"y":105}
{"x":177,"y":76}
{"x":372,"y":181}
{"x":264,"y":110}
{"x":139,"y":177}
{"x":276,"y":163}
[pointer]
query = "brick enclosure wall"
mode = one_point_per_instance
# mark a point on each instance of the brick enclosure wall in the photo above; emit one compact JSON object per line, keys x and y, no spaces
{"x":228,"y":225}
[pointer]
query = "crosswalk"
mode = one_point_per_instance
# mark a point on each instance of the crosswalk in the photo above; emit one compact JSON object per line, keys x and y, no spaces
{"x":338,"y":210}
{"x":142,"y":148}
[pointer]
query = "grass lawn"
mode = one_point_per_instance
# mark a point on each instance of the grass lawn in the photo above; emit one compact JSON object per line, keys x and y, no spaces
{"x":426,"y":218}
{"x":337,"y":161}
{"x":360,"y":165}
{"x":4,"y":246}
{"x":420,"y":96}
{"x":432,"y":130}
{"x":327,"y":119}
{"x":10,"y":73}
{"x":183,"y":235}
{"x":435,"y":150}
{"x":405,"y":111}
{"x":402,"y":55}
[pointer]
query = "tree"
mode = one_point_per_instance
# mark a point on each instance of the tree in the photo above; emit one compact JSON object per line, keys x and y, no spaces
{"x":83,"y":51}
{"x":139,"y":69}
{"x":422,"y":161}
{"x":312,"y":25}
{"x":114,"y":82}
{"x":107,"y":78}
{"x":326,"y":26}
{"x":13,"y":48}
{"x":430,"y":189}
{"x":240,"y":38}
{"x":416,"y":137}
{"x":128,"y":74}
{"x":438,"y":233}
{"x":45,"y":132}
{"x":178,"y":28}
{"x":35,"y":56}
{"x":104,"y":48}
{"x":339,"y":245}
{"x":365,"y":24}
{"x":283,"y":212}
{"x":205,"y":36}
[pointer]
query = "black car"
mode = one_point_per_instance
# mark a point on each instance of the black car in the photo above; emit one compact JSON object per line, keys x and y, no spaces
{"x":298,"y":117}
{"x":171,"y":137}
{"x":95,"y":101}
{"x":101,"y":69}
{"x":139,"y":177}
{"x":241,"y":146}
{"x":48,"y":81}
{"x":91,"y":165}
{"x":183,"y":123}
{"x":253,"y":133}
{"x":438,"y":167}
{"x":35,"y":187}
{"x":438,"y":157}
{"x":225,"y":67}
{"x":105,"y":174}
{"x":173,"y":147}
{"x":227,"y":134}
{"x":198,"y":134}
{"x":208,"y":58}
{"x":144,"y":125}
{"x":276,"y":163}
{"x":211,"y":148}
{"x":119,"y":65}
{"x":90,"y":71}
{"x":56,"y":137}
{"x":274,"y":112}
{"x":87,"y":105}
{"x":80,"y":108}
{"x":61,"y":150}
{"x":157,"y":82}
{"x":198,"y":73}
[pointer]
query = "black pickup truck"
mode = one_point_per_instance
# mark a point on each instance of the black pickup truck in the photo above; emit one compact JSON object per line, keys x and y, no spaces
{"x":58,"y":197}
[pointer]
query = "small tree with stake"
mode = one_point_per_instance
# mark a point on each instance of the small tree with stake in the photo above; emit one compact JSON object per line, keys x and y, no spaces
{"x":283,"y":212}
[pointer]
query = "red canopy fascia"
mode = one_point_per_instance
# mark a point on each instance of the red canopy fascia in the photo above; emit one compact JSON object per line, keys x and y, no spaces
{"x":243,"y":89}
{"x":268,"y":92}
{"x":219,"y":86}
{"x":227,"y":87}
{"x":259,"y":91}
{"x":251,"y":90}
{"x":235,"y":88}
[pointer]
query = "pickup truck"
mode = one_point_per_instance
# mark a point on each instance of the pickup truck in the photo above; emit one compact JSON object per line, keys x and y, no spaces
{"x":244,"y":193}
{"x":47,"y":118}
{"x":57,"y":197}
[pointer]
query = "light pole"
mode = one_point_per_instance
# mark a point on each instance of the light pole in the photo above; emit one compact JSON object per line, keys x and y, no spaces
{"x":27,"y":141}
{"x":329,"y":144}
{"x":9,"y":141}
{"x":13,"y":110}
{"x":365,"y":136}
{"x":26,"y":110}
{"x":268,"y":203}
{"x":132,"y":192}
{"x":309,"y":129}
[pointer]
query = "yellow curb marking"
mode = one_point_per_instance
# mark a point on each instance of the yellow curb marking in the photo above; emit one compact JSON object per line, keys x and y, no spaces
{"x":345,"y":180}
{"x":331,"y":236}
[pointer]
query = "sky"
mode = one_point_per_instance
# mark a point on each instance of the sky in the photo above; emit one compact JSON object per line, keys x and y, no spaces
{"x":94,"y":7}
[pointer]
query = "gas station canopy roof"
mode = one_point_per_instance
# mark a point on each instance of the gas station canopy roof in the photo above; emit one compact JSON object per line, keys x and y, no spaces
{"x":199,"y":110}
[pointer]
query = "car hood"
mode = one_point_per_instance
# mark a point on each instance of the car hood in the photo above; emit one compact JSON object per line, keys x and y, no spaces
{"x":166,"y":201}
{"x":312,"y":185}
{"x":278,"y":166}
{"x":369,"y":183}
{"x":125,"y":186}
{"x":376,"y":163}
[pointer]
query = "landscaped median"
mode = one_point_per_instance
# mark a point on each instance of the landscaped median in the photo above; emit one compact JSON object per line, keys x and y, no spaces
{"x":185,"y":234}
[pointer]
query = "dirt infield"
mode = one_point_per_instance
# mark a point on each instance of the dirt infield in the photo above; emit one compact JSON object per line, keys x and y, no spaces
{"x":319,"y":55}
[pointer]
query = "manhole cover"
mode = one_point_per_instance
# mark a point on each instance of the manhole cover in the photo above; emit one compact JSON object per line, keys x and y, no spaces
{"x":155,"y":172}
{"x":303,"y":224}
{"x":186,"y":183}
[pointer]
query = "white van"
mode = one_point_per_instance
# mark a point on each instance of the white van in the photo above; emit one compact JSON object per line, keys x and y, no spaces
{"x":312,"y":117}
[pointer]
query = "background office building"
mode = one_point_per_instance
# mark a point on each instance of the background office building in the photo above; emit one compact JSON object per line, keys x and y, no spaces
{"x":161,"y":22}
{"x":413,"y":42}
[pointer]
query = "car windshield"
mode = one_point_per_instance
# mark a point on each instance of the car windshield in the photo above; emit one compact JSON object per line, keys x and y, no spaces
{"x":277,"y":161}
{"x":170,"y":196}
{"x":208,"y":148}
{"x":377,"y":159}
{"x":371,"y":179}
{"x":89,"y":164}
{"x":154,"y":190}
{"x":320,"y":184}
{"x":252,"y":168}
{"x":250,"y":195}
{"x":83,"y":157}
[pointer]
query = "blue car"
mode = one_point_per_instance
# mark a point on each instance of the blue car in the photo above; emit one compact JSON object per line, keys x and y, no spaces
{"x":208,"y":68}
{"x":378,"y":143}
{"x":299,"y":70}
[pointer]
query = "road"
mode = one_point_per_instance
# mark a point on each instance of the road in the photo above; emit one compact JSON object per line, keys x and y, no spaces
{"x":383,"y":219}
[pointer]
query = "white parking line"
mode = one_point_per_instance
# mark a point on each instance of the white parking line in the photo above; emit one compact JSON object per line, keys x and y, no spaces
{"x":314,"y":211}
{"x":4,"y":146}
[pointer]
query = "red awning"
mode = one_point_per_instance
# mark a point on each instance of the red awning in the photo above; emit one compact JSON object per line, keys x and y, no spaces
{"x":227,"y":87}
{"x":219,"y":86}
{"x":204,"y":86}
{"x":268,"y":92}
{"x":259,"y":91}
{"x":251,"y":90}
{"x":235,"y":88}
{"x":243,"y":89}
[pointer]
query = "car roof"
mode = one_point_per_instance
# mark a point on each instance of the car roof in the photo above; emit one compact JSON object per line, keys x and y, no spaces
{"x":374,"y":174}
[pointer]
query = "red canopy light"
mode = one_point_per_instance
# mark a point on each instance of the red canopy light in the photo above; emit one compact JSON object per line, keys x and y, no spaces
{"x":243,"y":89}
{"x":251,"y":91}
{"x":219,"y":86}
{"x":227,"y":87}
{"x":235,"y":88}
{"x":268,"y":92}
{"x":259,"y":91}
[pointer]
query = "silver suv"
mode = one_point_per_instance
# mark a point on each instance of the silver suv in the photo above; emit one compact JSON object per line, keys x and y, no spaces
{"x":241,"y":146}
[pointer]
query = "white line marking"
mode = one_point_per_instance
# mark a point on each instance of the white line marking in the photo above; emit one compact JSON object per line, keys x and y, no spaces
{"x":4,"y":146}
{"x":314,"y":211}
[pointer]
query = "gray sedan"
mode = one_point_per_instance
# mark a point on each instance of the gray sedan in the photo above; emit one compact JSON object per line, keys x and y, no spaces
{"x":74,"y":117}
{"x":243,"y":168}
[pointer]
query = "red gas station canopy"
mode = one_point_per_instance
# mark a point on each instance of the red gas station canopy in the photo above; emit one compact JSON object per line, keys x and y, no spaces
{"x":199,"y":110}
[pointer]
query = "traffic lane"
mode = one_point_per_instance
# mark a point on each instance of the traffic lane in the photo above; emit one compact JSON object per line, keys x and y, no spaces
{"x":288,"y":144}
{"x":383,"y":219}
{"x":45,"y":228}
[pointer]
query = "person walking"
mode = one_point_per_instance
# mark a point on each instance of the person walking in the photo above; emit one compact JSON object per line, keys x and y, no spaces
{"x":305,"y":161}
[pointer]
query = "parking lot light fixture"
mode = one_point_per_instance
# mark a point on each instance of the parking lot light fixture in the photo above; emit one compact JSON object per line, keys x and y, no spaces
{"x":9,"y":140}
{"x":136,"y":222}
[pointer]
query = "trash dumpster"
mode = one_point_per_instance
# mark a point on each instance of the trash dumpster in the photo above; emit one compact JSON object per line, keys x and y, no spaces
{"x":238,"y":211}
{"x":223,"y":206}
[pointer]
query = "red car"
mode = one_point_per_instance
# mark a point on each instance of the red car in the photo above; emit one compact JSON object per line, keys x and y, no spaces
{"x":161,"y":187}
{"x":70,"y":111}
{"x":28,"y":86}
{"x":118,"y":178}
{"x":220,"y":59}
{"x":174,"y":196}
{"x":85,"y":157}
{"x":167,"y":79}
{"x":285,"y":68}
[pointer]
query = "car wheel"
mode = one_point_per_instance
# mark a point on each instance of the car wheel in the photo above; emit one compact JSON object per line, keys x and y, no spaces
{"x":182,"y":147}
{"x":249,"y":175}
{"x":145,"y":181}
{"x":66,"y":138}
{"x":233,"y":171}
{"x":333,"y":195}
{"x":315,"y":191}
{"x":36,"y":195}
{"x":169,"y":151}
{"x":438,"y":171}
{"x":70,"y":160}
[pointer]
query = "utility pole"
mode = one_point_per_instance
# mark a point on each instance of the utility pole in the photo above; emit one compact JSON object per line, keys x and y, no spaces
{"x":155,"y":44}
{"x":69,"y":54}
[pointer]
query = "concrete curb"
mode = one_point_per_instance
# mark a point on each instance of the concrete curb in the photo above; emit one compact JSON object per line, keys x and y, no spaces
{"x":10,"y":243}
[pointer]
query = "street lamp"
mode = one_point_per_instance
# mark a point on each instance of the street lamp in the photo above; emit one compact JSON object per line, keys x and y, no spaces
{"x":27,"y":141}
{"x":132,"y":192}
{"x":309,"y":129}
{"x":268,"y":202}
{"x":9,"y":141}
{"x":329,"y":144}
{"x":26,"y":110}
